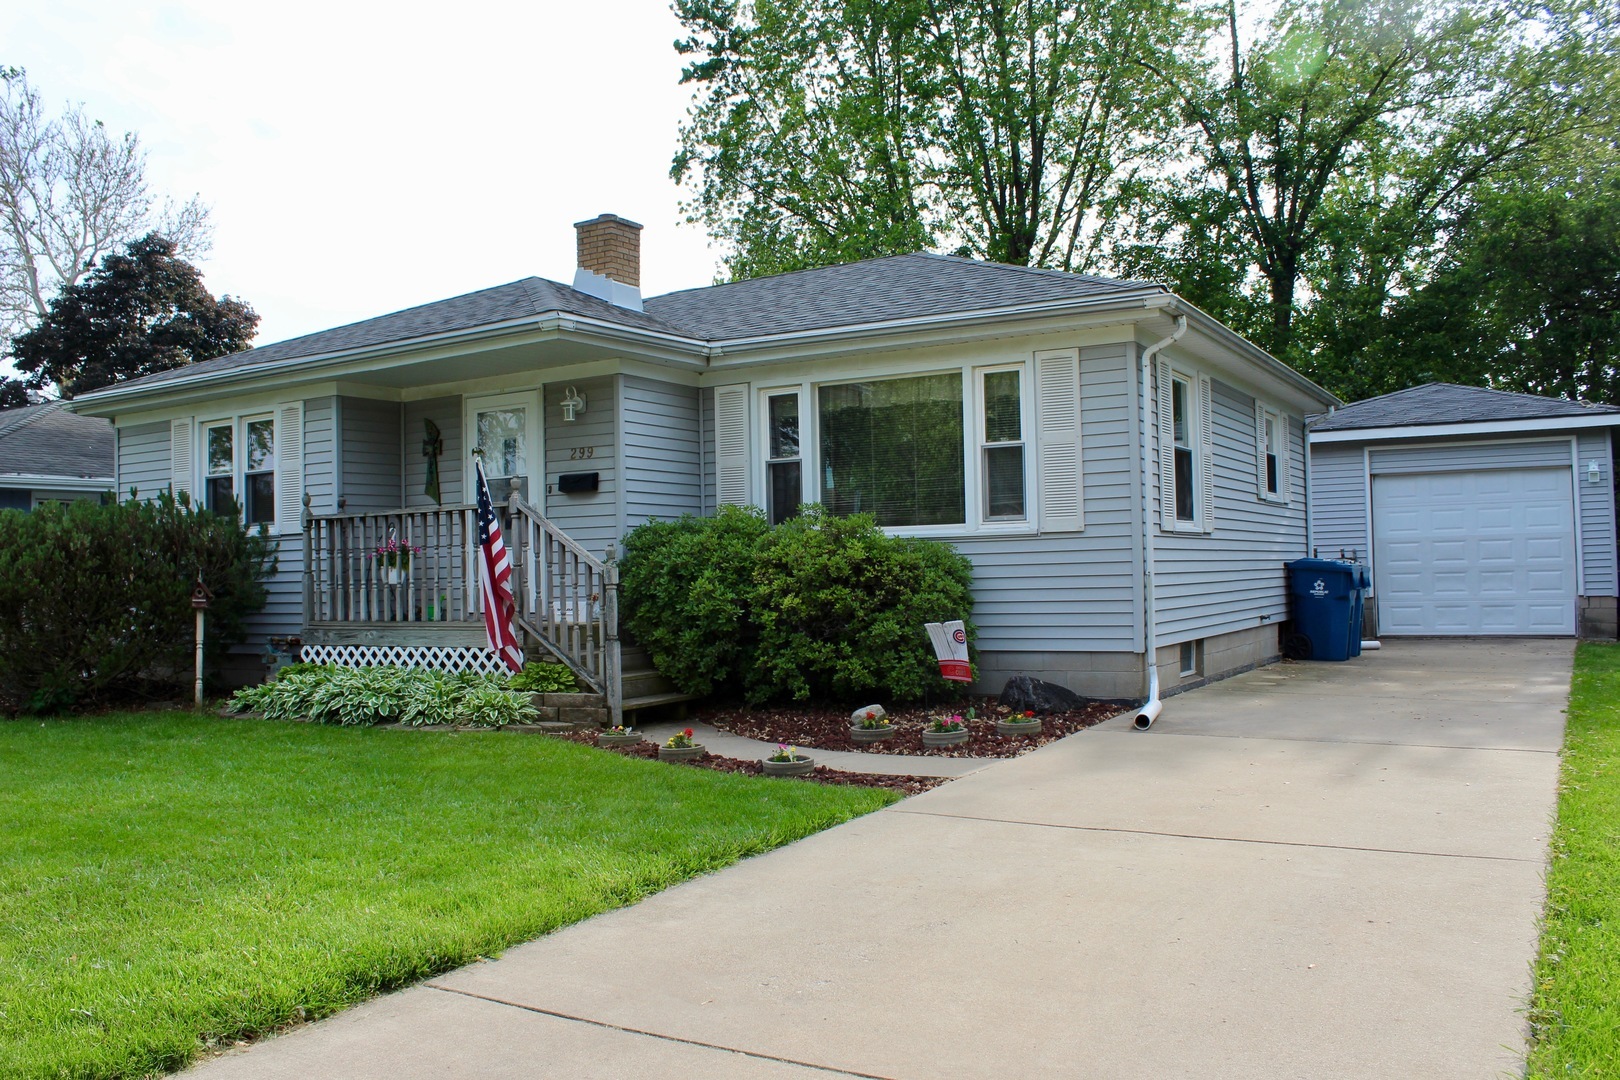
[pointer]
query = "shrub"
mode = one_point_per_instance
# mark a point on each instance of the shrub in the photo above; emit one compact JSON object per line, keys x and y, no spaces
{"x":95,"y":599}
{"x":820,"y":606}
{"x":686,"y":586}
{"x":417,"y":697}
{"x":544,"y":677}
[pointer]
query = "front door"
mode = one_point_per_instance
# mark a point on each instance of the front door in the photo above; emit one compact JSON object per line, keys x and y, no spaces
{"x":506,"y":428}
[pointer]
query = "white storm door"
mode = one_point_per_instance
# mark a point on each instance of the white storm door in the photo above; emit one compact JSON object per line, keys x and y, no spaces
{"x":1490,"y":551}
{"x":507,"y":429}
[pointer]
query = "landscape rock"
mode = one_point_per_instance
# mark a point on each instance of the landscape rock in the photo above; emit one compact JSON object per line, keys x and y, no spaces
{"x":1027,"y":693}
{"x":860,"y":714}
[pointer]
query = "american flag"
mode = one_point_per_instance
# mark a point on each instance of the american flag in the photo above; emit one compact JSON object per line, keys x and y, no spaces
{"x":495,"y":579}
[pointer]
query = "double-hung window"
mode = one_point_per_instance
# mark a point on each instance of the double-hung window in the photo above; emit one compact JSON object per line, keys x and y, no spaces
{"x":1181,"y":426}
{"x":784,"y":465}
{"x":1270,"y":454}
{"x":239,"y":469}
{"x":1002,"y":454}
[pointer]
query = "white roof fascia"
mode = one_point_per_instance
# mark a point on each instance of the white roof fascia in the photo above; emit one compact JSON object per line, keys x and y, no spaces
{"x":1212,"y":327}
{"x":59,"y":483}
{"x":1483,"y":427}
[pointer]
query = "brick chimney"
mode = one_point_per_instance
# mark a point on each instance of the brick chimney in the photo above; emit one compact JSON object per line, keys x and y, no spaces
{"x":609,"y":259}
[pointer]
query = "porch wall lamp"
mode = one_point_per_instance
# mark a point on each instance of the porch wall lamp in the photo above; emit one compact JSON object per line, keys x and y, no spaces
{"x":573,"y":403}
{"x":1594,"y":472}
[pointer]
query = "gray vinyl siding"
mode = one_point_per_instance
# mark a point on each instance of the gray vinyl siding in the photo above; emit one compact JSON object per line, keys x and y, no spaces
{"x":1232,"y":578}
{"x":1460,"y":457}
{"x":662,"y":452}
{"x":369,"y":455}
{"x":1596,"y":517}
{"x":592,"y":518}
{"x":1074,"y":592}
{"x":446,"y":413}
{"x":1339,"y":500}
{"x":708,"y":500}
{"x":320,"y":454}
{"x":143,"y":460}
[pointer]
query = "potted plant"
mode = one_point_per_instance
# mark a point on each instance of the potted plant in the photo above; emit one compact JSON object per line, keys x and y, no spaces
{"x":1024,"y":723}
{"x":871,"y":726}
{"x":945,"y":731}
{"x":393,"y":558}
{"x":618,"y":735}
{"x":787,"y":761}
{"x":680,"y":747}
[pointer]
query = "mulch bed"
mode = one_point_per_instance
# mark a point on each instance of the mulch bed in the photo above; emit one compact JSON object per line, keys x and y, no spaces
{"x":907,"y":785}
{"x":828,"y":729}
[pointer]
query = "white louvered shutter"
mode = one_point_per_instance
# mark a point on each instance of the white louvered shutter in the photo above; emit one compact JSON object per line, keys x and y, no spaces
{"x":1285,"y":458}
{"x":290,"y":467}
{"x":1206,"y":452}
{"x":1260,"y":450}
{"x":1057,"y":409}
{"x":181,"y":458}
{"x":731,"y":445}
{"x":1167,"y":450}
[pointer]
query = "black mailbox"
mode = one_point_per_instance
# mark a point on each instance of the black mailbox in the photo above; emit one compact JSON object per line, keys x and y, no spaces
{"x":572,"y":483}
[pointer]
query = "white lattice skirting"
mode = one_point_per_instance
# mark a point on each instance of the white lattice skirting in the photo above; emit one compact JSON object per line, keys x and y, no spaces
{"x":438,"y":657}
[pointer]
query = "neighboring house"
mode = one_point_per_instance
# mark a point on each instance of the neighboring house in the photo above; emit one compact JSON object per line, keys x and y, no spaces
{"x":47,"y":454}
{"x":1482,"y":512}
{"x":1000,"y":408}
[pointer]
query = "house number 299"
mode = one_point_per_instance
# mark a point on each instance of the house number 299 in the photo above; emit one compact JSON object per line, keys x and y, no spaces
{"x":581,"y":453}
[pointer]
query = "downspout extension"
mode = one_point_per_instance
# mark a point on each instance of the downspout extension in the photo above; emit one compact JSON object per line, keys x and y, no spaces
{"x":1151,"y":708}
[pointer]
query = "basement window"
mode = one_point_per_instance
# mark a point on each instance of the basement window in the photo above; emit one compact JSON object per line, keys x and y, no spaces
{"x":1190,"y":656}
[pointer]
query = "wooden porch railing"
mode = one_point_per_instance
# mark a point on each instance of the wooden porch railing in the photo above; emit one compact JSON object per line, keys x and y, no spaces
{"x":566,"y":598}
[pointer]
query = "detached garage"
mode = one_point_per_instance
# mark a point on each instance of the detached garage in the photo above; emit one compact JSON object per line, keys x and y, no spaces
{"x":1480,"y":511}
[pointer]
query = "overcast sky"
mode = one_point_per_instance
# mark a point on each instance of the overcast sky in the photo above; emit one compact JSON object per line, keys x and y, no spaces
{"x":361,"y":158}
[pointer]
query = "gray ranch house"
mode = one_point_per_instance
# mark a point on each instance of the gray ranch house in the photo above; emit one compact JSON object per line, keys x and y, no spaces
{"x":1126,"y":474}
{"x":48,"y":454}
{"x":1481,"y":511}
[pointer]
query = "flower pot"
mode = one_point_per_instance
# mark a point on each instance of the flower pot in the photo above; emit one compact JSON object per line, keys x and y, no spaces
{"x":393,"y":575}
{"x":679,"y":753}
{"x":870,"y":734}
{"x":944,"y":738}
{"x":608,"y":738}
{"x":801,"y":767}
{"x":1019,"y":727}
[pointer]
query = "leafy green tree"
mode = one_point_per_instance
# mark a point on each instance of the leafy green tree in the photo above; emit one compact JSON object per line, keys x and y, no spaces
{"x":13,"y":393}
{"x":143,"y":310}
{"x":827,"y":131}
{"x":1332,"y":156}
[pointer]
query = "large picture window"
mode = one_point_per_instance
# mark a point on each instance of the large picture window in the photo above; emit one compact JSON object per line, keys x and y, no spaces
{"x":894,"y":449}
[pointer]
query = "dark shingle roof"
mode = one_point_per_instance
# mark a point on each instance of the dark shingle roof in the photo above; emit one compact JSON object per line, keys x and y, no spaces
{"x":47,"y":440}
{"x":527,"y":298}
{"x":1448,"y":403}
{"x":874,"y":290}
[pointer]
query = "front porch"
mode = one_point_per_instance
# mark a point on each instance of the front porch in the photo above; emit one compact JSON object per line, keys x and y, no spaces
{"x":402,"y":586}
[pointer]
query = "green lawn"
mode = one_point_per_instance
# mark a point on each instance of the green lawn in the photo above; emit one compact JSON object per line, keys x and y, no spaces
{"x":1575,"y":1013}
{"x":169,"y":880}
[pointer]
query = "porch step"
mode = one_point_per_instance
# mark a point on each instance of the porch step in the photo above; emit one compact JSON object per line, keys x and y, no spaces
{"x":654,"y":701}
{"x":572,"y":712}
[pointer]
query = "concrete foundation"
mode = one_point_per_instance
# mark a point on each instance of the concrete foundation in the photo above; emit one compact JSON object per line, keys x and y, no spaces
{"x":1598,"y":617}
{"x":1120,"y":676}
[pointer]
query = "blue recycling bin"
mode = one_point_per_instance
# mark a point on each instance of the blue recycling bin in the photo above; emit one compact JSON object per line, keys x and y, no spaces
{"x":1322,"y":595}
{"x":1362,"y":584}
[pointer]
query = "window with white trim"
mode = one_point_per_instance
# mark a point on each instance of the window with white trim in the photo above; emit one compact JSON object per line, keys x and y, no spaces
{"x":784,"y":462}
{"x":1182,"y":428}
{"x":893,"y":448}
{"x":1001,"y":448}
{"x":1271,"y":458}
{"x":239,"y":468}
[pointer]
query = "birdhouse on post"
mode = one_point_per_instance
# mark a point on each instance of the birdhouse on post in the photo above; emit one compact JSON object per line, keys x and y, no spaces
{"x":200,"y":596}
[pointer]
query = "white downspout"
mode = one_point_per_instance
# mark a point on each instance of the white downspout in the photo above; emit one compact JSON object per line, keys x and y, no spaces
{"x":1151,"y":708}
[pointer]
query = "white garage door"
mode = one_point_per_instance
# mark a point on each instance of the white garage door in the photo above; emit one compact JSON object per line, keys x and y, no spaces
{"x":1487,"y":552}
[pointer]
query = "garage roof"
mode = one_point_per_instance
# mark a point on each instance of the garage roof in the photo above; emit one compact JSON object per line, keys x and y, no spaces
{"x":1441,"y":403}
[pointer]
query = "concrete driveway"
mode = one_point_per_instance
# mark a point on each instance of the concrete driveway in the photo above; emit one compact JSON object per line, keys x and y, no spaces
{"x":1313,"y":870}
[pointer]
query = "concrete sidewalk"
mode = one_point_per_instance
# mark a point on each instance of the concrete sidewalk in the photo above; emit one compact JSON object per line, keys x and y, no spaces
{"x":1309,"y":871}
